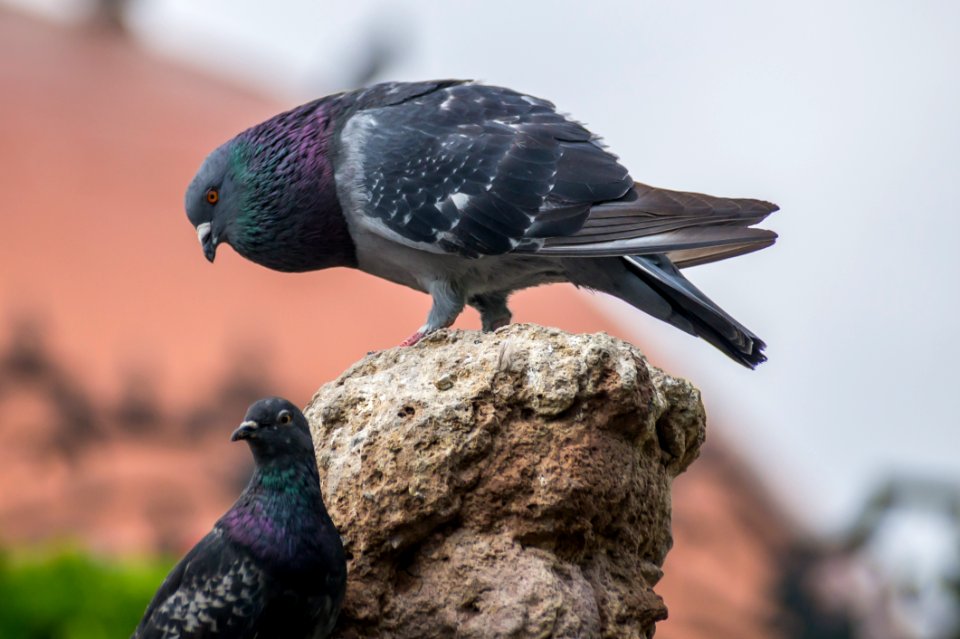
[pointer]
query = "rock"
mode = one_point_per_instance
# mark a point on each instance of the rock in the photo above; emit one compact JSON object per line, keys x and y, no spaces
{"x":507,"y":484}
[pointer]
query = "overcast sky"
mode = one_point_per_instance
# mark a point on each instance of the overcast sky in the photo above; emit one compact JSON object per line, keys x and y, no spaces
{"x":845,"y":114}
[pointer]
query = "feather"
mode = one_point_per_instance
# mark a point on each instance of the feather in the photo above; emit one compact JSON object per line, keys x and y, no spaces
{"x":677,"y":240}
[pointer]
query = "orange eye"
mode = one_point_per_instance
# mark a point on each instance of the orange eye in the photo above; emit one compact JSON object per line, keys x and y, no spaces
{"x":213,"y":195}
{"x":285,"y":417}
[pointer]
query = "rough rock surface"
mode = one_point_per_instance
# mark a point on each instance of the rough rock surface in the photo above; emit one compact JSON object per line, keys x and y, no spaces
{"x":508,"y":484}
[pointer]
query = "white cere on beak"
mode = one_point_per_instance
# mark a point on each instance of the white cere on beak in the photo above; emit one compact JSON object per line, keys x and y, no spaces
{"x":203,"y":232}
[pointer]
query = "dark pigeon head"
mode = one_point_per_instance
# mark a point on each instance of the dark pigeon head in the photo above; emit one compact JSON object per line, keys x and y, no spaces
{"x":270,"y":194}
{"x":211,"y":200}
{"x":274,"y":429}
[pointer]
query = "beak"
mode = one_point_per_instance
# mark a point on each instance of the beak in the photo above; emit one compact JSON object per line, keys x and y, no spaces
{"x":207,"y":241}
{"x":246,"y":430}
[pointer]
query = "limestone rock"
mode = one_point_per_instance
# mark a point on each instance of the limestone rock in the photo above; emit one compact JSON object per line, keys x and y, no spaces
{"x":507,"y":484}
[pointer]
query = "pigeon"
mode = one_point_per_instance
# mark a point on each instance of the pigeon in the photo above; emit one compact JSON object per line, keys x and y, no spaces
{"x":469,"y":192}
{"x":273,"y":565}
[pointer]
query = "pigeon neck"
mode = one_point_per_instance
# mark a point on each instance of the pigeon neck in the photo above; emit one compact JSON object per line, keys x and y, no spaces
{"x":289,"y":216}
{"x":280,"y":516}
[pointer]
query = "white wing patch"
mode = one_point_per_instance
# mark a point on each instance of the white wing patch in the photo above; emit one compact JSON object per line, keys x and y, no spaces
{"x":460,"y":200}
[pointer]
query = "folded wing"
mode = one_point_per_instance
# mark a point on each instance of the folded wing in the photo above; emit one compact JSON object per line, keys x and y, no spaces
{"x":477,"y":170}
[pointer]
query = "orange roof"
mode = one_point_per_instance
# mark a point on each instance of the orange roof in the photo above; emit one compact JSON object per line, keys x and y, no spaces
{"x":99,"y":143}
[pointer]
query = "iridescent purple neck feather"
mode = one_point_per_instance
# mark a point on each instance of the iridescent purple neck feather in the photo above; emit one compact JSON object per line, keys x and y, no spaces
{"x":288,"y":215}
{"x":280,"y":517}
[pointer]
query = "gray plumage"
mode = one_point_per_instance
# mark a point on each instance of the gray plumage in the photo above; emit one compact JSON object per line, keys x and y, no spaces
{"x":469,"y":192}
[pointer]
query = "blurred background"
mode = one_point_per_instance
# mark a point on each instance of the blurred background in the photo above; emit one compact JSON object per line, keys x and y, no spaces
{"x":826,"y":503}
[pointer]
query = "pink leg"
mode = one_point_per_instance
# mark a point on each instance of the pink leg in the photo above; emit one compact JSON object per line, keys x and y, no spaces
{"x":447,"y":304}
{"x":413,"y":339}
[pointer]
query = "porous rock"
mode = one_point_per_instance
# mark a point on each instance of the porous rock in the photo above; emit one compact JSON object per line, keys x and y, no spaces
{"x":507,"y":484}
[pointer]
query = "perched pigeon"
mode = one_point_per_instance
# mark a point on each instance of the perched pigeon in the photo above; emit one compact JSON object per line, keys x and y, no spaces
{"x":468,"y":192}
{"x":273,"y":565}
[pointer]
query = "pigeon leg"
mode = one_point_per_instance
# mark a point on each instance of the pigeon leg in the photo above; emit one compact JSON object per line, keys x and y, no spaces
{"x":448,"y":302}
{"x":413,"y":339}
{"x":493,"y":310}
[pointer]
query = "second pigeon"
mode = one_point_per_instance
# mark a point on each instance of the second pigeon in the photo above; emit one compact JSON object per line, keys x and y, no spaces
{"x":273,"y":565}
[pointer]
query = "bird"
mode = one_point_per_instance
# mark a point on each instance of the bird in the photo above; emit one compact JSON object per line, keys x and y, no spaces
{"x":469,"y":192}
{"x":274,"y":564}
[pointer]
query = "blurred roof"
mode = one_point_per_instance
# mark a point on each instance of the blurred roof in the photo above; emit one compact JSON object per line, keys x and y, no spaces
{"x":97,"y":143}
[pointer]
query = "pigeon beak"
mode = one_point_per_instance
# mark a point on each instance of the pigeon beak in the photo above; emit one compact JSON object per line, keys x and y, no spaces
{"x":246,"y":430}
{"x":207,"y":241}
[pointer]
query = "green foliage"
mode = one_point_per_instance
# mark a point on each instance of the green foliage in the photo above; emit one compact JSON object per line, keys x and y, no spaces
{"x":67,"y":594}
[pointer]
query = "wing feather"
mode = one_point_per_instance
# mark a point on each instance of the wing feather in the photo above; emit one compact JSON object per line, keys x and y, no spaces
{"x":214,"y":591}
{"x":478,"y":170}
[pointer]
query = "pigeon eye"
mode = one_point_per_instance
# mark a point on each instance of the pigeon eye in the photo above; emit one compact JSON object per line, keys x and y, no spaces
{"x":213,"y":195}
{"x":284,"y":417}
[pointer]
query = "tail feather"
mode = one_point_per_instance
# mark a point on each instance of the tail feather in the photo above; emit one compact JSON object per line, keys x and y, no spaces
{"x":649,"y":220}
{"x":683,"y":239}
{"x":697,"y":256}
{"x":697,"y":310}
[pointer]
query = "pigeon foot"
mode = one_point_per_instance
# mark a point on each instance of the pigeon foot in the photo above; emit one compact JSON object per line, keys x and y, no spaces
{"x":413,"y":339}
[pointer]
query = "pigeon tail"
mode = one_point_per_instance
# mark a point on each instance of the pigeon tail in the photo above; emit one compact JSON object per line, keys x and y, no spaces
{"x":692,"y":228}
{"x":694,"y":312}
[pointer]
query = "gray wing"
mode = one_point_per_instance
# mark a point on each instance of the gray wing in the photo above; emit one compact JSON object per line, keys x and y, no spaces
{"x":479,"y":170}
{"x":214,"y":591}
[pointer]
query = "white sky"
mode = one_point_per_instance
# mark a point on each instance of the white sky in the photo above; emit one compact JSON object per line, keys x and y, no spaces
{"x":845,"y":114}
